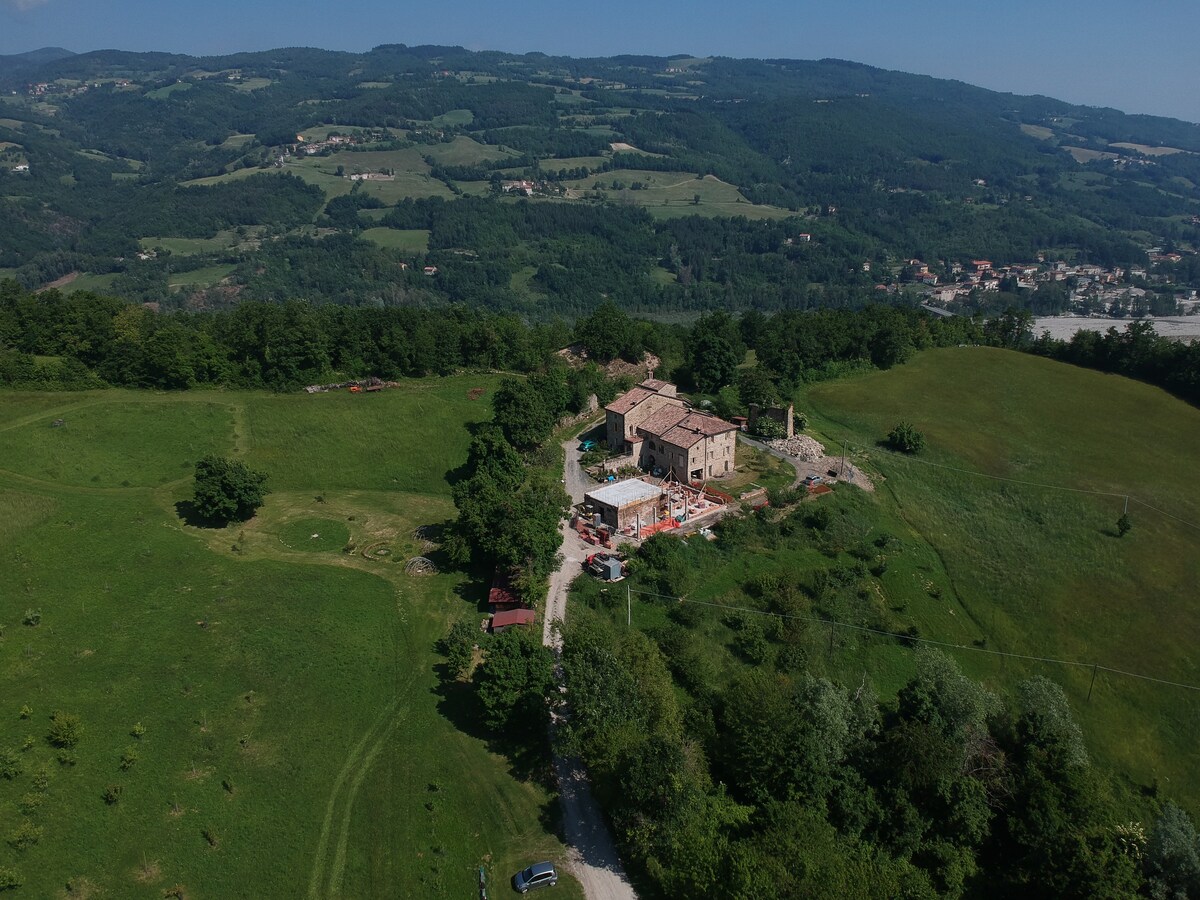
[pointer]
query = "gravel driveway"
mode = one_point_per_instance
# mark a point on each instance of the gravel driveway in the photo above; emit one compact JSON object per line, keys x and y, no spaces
{"x":592,"y":856}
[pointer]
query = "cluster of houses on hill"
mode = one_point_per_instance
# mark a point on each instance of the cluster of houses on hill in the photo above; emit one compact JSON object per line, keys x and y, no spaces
{"x":1089,"y":287}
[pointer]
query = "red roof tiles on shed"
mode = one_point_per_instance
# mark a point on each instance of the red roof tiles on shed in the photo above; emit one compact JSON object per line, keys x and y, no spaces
{"x":513,"y":617}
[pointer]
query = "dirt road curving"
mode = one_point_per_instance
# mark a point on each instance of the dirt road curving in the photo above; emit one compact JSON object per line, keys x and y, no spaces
{"x":592,"y":856}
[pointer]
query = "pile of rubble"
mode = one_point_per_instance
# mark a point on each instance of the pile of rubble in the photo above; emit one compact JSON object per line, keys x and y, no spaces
{"x":800,"y":446}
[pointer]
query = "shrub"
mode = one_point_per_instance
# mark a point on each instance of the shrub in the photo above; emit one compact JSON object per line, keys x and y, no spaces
{"x":751,"y":644}
{"x":24,"y":836}
{"x":769,"y":429}
{"x":10,"y":765}
{"x":10,"y":879}
{"x":65,"y":730}
{"x":128,"y":758}
{"x":112,"y":794}
{"x":905,"y":438}
{"x":33,"y":618}
{"x":26,"y":712}
{"x":138,"y":730}
{"x":792,"y":658}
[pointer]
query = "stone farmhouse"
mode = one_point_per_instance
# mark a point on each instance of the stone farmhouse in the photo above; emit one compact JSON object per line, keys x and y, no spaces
{"x":660,"y":431}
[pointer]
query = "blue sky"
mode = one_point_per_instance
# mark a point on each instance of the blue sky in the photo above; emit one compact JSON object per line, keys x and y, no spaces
{"x":1138,"y":57}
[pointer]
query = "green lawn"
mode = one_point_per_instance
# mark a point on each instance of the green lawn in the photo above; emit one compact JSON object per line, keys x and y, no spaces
{"x":263,"y":707}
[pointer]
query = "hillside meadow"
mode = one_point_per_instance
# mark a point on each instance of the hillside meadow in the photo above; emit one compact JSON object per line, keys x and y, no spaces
{"x":1031,"y":558}
{"x":259,"y":707}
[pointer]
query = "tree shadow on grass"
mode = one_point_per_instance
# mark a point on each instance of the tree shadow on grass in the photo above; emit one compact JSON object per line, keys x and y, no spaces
{"x":527,"y":749}
{"x":187,"y":512}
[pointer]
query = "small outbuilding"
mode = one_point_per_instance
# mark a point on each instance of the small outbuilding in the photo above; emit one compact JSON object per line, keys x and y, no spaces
{"x":625,"y":503}
{"x":512,"y":618}
{"x":607,"y":568}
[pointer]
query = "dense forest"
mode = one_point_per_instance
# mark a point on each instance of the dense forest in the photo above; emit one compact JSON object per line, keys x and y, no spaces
{"x":65,"y":341}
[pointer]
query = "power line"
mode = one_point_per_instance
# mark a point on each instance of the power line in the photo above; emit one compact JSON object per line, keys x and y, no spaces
{"x":832,"y":623}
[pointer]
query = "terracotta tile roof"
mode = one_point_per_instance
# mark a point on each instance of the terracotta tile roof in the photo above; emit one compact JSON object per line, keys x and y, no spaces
{"x":682,"y":427}
{"x":629,"y":400}
{"x":663,"y":420}
{"x":682,"y":437}
{"x":709,"y":425}
{"x":655,"y":384}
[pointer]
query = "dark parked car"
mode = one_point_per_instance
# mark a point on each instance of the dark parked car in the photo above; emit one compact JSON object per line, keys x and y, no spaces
{"x":538,"y":875}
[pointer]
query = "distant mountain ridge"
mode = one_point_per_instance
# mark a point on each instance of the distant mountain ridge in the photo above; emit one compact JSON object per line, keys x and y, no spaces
{"x":32,"y":59}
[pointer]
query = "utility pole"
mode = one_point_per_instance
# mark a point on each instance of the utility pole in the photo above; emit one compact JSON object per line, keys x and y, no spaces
{"x":1125,"y":512}
{"x":842,"y":469}
{"x":1092,"y":685}
{"x":628,"y":606}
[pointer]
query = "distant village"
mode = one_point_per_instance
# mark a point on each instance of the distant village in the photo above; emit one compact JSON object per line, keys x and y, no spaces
{"x":1089,"y":288}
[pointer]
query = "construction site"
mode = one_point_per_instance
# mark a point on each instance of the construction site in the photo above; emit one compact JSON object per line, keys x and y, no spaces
{"x":637,"y":508}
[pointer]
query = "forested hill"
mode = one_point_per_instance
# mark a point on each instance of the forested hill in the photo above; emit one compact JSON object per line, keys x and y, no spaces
{"x":545,"y":184}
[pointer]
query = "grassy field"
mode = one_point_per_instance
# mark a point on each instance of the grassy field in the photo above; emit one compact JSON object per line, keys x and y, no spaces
{"x":163,"y":93}
{"x":454,"y":118}
{"x":415,"y":240}
{"x":261,"y":710}
{"x":205,"y":277}
{"x":1040,"y":571}
{"x":89,"y":282}
{"x":465,"y":151}
{"x":668,"y":194}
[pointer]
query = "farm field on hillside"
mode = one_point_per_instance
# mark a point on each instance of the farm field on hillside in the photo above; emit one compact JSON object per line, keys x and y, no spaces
{"x":260,"y":709}
{"x":1041,"y":571}
{"x":675,"y":193}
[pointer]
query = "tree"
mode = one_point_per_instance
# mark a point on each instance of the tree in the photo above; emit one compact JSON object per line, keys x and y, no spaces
{"x":905,"y":438}
{"x":1173,"y":856}
{"x":522,"y":413}
{"x":514,"y":680}
{"x":227,"y":489}
{"x":714,"y":361}
{"x":1124,"y":525}
{"x":459,"y":647}
{"x":755,"y":386}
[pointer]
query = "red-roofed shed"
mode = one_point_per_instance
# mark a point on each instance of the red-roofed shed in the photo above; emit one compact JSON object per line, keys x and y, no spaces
{"x":501,"y":595}
{"x":510,"y":618}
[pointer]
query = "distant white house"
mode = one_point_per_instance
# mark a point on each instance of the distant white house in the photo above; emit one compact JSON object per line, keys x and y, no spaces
{"x":23,"y":167}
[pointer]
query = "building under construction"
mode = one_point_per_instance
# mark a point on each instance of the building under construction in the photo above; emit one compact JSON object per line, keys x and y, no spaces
{"x":640,"y":507}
